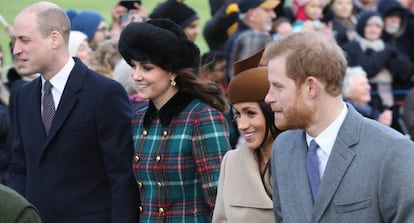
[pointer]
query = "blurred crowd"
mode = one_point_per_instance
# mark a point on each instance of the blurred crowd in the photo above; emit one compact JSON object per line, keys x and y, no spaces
{"x":377,"y":37}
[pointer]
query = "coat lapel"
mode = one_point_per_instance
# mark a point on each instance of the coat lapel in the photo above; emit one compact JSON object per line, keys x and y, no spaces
{"x":339,"y":161}
{"x":248,"y":177}
{"x":68,"y":100}
{"x":300,"y":177}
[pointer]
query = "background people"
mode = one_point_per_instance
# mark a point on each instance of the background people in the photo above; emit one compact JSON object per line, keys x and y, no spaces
{"x":91,"y":23}
{"x":387,"y":69}
{"x":253,"y":30}
{"x":356,"y":90}
{"x":183,"y":15}
{"x":79,"y":46}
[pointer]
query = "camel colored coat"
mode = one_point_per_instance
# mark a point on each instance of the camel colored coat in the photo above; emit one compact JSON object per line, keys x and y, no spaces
{"x":241,"y":196}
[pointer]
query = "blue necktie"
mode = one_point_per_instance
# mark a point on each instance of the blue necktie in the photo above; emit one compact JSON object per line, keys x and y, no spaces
{"x":312,"y":165}
{"x":48,"y":106}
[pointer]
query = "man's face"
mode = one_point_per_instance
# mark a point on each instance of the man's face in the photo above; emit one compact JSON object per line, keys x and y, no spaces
{"x":263,"y":18}
{"x":33,"y":52}
{"x":285,"y":98}
{"x":392,"y":24}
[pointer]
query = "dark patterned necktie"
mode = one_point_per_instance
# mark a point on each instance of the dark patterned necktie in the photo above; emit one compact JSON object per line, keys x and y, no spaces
{"x":48,"y":106}
{"x":312,"y":165}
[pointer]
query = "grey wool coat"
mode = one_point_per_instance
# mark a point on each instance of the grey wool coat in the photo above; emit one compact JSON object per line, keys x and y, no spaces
{"x":369,"y":176}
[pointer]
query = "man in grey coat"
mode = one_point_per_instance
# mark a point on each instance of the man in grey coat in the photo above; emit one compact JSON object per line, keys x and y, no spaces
{"x":362,"y":170}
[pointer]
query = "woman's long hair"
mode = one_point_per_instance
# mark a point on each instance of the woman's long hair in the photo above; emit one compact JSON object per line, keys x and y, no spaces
{"x":271,"y":128}
{"x":208,"y":92}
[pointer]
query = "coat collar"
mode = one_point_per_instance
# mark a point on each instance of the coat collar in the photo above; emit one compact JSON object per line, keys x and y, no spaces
{"x":341,"y":158}
{"x":175,"y":105}
{"x":69,"y":98}
{"x":339,"y":161}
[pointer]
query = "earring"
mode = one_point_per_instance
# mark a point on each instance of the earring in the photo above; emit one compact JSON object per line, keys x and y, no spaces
{"x":173,"y":83}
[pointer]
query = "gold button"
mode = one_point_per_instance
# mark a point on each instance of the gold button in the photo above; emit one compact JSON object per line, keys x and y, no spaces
{"x":145,"y":133}
{"x":139,"y":184}
{"x":161,"y":210}
{"x":140,"y":208}
{"x":136,"y":158}
{"x":158,"y":158}
{"x":159,"y":184}
{"x":165,"y":133}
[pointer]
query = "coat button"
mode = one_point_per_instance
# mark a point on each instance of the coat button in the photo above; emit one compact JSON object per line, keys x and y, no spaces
{"x":161,"y":210}
{"x":136,"y":158}
{"x":139,"y":184}
{"x":159,"y":184}
{"x":140,"y":208}
{"x":165,"y":133}
{"x":145,"y":133}
{"x":158,"y":158}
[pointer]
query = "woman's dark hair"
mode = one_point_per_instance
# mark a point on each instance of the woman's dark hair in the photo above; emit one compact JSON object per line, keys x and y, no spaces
{"x":274,"y":131}
{"x":208,"y":92}
{"x":209,"y":60}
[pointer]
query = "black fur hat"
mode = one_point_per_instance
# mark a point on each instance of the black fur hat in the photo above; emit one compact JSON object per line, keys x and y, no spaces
{"x":159,"y":41}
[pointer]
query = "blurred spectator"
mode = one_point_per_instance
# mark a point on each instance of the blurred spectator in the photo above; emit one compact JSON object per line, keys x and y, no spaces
{"x":281,"y":27}
{"x":215,"y":5}
{"x":122,"y":73}
{"x":213,"y":68}
{"x":386,"y":68}
{"x":91,"y":23}
{"x":183,"y":15}
{"x":308,"y":14}
{"x":395,"y":33}
{"x":284,"y":9}
{"x":105,"y":57}
{"x":357,"y":91}
{"x":79,"y":46}
{"x":122,"y":16}
{"x":340,"y":13}
{"x":364,"y":5}
{"x":221,"y":25}
{"x":253,"y":31}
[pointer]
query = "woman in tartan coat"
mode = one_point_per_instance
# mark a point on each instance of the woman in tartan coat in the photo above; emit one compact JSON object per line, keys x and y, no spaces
{"x":181,"y":136}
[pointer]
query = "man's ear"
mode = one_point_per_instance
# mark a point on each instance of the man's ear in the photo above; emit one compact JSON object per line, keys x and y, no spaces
{"x":56,"y":39}
{"x":312,"y":86}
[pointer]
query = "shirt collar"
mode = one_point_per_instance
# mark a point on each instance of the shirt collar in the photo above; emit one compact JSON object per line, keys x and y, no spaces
{"x":327,"y":138}
{"x":59,"y":80}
